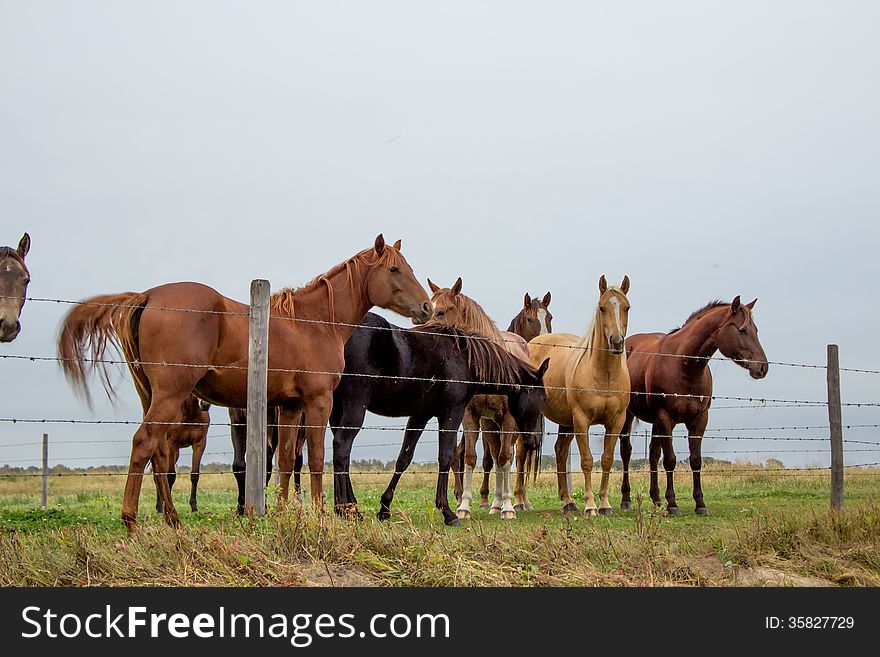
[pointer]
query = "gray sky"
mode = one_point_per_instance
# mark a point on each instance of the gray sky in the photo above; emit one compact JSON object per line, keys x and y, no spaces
{"x":706,"y":149}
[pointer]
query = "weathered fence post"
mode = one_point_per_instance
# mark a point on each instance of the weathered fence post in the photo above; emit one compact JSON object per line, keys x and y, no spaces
{"x":45,"y":504}
{"x":258,"y":364}
{"x":835,"y":421}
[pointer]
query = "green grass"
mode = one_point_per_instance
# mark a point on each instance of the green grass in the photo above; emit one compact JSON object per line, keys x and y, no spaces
{"x":768,"y":527}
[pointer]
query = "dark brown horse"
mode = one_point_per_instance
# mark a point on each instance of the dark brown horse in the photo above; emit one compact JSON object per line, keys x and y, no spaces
{"x":14,"y":279}
{"x":671,"y":384}
{"x":186,"y":338}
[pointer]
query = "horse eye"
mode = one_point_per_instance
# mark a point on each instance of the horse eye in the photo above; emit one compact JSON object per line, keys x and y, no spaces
{"x":394,"y":270}
{"x":440,"y":313}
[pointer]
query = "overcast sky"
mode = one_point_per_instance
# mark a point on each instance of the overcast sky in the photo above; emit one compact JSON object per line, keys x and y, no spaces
{"x":706,"y":149}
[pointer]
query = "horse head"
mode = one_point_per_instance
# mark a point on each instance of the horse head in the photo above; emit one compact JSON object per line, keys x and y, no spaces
{"x":613,"y":313}
{"x":737,"y":338}
{"x":391,"y":283}
{"x":14,"y":279}
{"x":533,"y":319}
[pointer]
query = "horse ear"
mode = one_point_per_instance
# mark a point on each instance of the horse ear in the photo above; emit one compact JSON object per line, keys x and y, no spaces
{"x":751,"y":305}
{"x":624,"y":286}
{"x":603,"y":284}
{"x":543,"y":368}
{"x":24,"y":246}
{"x":734,"y":306}
{"x":527,"y":301}
{"x":546,"y":300}
{"x":456,"y":288}
{"x":379,"y":244}
{"x":434,"y":287}
{"x":397,"y":245}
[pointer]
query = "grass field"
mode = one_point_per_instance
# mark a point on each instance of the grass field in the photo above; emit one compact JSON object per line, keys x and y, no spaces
{"x":765,"y":528}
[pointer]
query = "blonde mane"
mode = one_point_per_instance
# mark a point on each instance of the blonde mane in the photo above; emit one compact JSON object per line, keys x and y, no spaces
{"x":586,"y":342}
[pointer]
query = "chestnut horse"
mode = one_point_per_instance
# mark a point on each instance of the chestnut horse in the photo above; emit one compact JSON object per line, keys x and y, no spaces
{"x":186,"y":338}
{"x":672,"y":384}
{"x":14,"y":279}
{"x":532,"y":320}
{"x":489,"y":412}
{"x":588,"y":383}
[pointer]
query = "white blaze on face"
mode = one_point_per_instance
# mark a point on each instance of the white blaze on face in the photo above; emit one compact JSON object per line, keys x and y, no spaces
{"x":615,"y":303}
{"x":542,"y":320}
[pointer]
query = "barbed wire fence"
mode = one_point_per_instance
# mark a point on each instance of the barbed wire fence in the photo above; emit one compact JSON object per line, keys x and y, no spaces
{"x":835,"y":441}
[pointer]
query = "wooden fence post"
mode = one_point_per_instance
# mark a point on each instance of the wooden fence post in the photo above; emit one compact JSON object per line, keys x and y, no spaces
{"x":45,"y":503}
{"x":835,"y":421}
{"x":258,"y":363}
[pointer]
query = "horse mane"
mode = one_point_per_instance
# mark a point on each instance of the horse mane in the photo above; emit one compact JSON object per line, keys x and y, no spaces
{"x":488,"y":360}
{"x":9,"y":251}
{"x":717,"y":303}
{"x":283,"y":302}
{"x":473,"y":318}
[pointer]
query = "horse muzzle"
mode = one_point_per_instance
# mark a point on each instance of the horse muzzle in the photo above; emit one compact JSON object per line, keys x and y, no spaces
{"x":422,"y":314}
{"x":9,"y":330}
{"x":617,"y":345}
{"x":759,"y":370}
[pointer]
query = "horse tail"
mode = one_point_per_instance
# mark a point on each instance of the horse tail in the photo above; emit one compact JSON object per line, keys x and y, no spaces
{"x":87,"y":330}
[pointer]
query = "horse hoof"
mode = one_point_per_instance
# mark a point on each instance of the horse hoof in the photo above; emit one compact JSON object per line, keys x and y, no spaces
{"x":383,"y":515}
{"x":673,"y":511}
{"x":590,"y":513}
{"x":530,"y":506}
{"x":484,"y":504}
{"x":701,"y":511}
{"x":453,"y":522}
{"x":508,"y":515}
{"x":626,"y":506}
{"x":606,"y":512}
{"x":571,"y":507}
{"x":519,"y":507}
{"x":463,"y":514}
{"x":494,"y":511}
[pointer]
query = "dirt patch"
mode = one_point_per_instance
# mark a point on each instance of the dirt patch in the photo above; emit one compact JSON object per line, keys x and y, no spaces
{"x":330,"y":575}
{"x":761,"y":576}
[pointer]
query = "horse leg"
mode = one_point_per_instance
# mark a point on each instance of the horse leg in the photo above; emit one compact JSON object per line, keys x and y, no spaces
{"x":414,"y":428}
{"x":238,"y":434}
{"x":317,"y":415}
{"x":626,"y":451}
{"x":612,"y":431}
{"x":582,"y":433}
{"x":273,"y":419}
{"x":503,"y":461}
{"x":663,"y":429}
{"x":519,"y":490}
{"x":487,"y":471}
{"x":696,"y":428}
{"x":288,"y":422}
{"x":345,"y":430}
{"x":654,"y":451}
{"x":563,"y":476}
{"x":470,"y":424}
{"x":198,"y":450}
{"x":298,"y":464}
{"x":449,"y":424}
{"x":458,"y":470}
{"x":492,"y":443}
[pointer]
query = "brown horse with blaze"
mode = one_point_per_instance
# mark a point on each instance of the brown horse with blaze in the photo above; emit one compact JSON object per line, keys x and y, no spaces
{"x":14,"y":279}
{"x":186,"y":338}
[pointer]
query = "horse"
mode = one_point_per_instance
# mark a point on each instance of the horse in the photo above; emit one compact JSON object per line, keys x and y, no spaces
{"x":533,"y":319}
{"x":186,"y":338}
{"x":193,"y":432}
{"x":587,"y":384}
{"x":14,"y":279}
{"x":672,"y":384}
{"x":431,"y":370}
{"x":487,"y":412}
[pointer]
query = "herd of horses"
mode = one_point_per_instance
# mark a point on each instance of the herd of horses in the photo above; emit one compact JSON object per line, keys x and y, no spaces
{"x":331,"y":360}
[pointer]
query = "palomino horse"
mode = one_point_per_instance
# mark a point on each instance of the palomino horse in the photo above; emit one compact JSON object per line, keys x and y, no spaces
{"x":485,"y":411}
{"x":533,"y":319}
{"x":428,"y":371}
{"x":193,"y":432}
{"x":184,"y":338}
{"x":14,"y":279}
{"x":588,"y":384}
{"x":672,"y":384}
